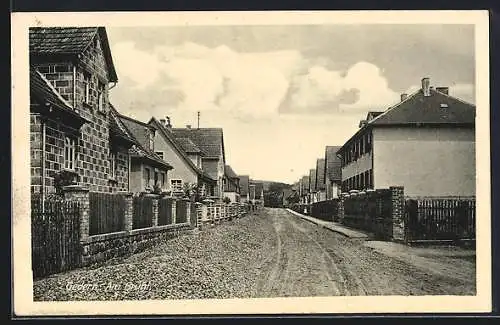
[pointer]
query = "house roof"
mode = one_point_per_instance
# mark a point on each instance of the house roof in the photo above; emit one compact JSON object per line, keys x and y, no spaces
{"x":117,"y":128}
{"x":136,"y":129}
{"x":372,"y":114}
{"x":209,"y":140}
{"x":437,"y":109}
{"x":229,"y":172}
{"x":188,"y":146}
{"x":320,"y":174}
{"x":420,"y":109}
{"x":333,"y":170}
{"x":244,"y":184}
{"x":312,"y":179}
{"x":169,"y":136}
{"x":69,"y":41}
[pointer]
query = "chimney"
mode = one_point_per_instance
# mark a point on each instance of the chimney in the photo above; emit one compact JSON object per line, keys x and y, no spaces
{"x":426,"y":86}
{"x":443,"y":90}
{"x":404,"y":96}
{"x":162,"y":121}
{"x":168,"y":125}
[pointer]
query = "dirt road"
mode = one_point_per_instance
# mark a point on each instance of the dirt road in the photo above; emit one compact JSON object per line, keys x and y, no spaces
{"x":270,"y":254}
{"x":312,"y":261}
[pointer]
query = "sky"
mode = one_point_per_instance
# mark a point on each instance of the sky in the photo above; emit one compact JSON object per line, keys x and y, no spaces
{"x":283,"y":93}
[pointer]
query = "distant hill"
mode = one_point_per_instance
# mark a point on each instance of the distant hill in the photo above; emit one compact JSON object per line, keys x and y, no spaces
{"x":272,"y":184}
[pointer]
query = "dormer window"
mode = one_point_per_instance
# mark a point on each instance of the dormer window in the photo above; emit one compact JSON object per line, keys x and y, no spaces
{"x":444,"y":105}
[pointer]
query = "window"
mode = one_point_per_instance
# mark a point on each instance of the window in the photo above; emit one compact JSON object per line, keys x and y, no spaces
{"x":147,"y":177}
{"x":160,"y":154}
{"x":69,"y":153}
{"x":163,"y":179}
{"x":176,"y":185}
{"x":151,"y":140}
{"x":86,"y":81}
{"x":112,"y":164}
{"x":100,"y":98}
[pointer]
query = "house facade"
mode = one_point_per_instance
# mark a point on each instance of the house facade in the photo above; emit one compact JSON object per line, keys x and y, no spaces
{"x":185,"y":158}
{"x":71,"y":133}
{"x":148,"y":171}
{"x":425,"y":143}
{"x":313,"y":193}
{"x":320,"y":179}
{"x":211,"y":143}
{"x":333,"y":172}
{"x":231,"y":184}
{"x":304,"y":190}
{"x":244,"y":182}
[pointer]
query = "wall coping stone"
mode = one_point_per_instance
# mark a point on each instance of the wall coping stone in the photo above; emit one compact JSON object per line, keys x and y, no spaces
{"x":75,"y":188}
{"x":107,"y":236}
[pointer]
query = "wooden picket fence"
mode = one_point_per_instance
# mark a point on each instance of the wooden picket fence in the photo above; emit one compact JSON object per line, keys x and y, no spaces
{"x":55,"y":236}
{"x":440,"y":219}
{"x":107,"y":212}
{"x":181,"y":211}
{"x":142,"y":216}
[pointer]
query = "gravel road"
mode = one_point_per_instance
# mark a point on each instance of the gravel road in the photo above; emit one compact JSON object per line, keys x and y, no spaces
{"x":270,"y":254}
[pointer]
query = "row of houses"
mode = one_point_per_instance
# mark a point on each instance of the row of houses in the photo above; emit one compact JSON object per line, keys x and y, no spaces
{"x":425,"y":143}
{"x":78,"y":137}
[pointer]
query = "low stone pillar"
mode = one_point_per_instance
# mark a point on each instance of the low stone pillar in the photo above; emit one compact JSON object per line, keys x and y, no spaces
{"x":398,"y":213}
{"x":341,"y":210}
{"x":174,"y":211}
{"x":188,"y":210}
{"x":77,"y":193}
{"x":129,"y":211}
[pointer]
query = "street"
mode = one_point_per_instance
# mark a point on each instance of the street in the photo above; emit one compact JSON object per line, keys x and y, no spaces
{"x":270,"y":254}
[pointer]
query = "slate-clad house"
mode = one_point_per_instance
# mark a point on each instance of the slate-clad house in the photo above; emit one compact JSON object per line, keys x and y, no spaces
{"x":304,"y":190}
{"x":211,"y":143}
{"x":244,"y":188}
{"x":186,"y":159}
{"x":333,"y":172}
{"x":312,"y":186}
{"x":426,"y":143}
{"x":148,"y":171}
{"x":71,"y":70}
{"x":320,"y":179}
{"x":231,"y":184}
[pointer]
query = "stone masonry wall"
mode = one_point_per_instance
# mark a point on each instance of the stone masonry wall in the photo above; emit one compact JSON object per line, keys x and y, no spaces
{"x":92,"y":162}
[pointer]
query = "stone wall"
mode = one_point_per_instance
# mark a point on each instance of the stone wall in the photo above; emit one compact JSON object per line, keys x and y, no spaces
{"x":93,"y":142}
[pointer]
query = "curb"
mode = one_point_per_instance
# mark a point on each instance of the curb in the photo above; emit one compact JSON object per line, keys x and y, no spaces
{"x":365,"y":237}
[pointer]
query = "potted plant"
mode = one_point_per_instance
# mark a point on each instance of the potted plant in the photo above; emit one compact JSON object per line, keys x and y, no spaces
{"x":64,"y":178}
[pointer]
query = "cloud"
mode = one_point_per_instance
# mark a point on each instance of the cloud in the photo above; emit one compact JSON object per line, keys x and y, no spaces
{"x":361,"y":87}
{"x":250,"y":84}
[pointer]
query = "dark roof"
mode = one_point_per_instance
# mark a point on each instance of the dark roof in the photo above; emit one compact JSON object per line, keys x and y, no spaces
{"x":69,"y":41}
{"x":372,"y":115}
{"x":188,"y":146}
{"x":312,"y":179}
{"x":209,"y":140}
{"x":229,"y":172}
{"x":305,"y":182}
{"x":140,"y":150}
{"x":421,"y":109}
{"x":42,"y":90}
{"x":436,"y":110}
{"x":117,"y":128}
{"x":333,"y":170}
{"x":320,"y":174}
{"x":244,"y":184}
{"x":167,"y":134}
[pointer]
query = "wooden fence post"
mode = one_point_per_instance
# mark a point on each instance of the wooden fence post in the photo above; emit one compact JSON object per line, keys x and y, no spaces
{"x":81,"y":195}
